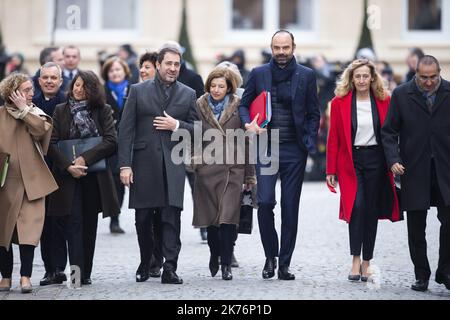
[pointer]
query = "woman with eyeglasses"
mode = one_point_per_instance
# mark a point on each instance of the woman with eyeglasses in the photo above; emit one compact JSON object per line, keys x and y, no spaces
{"x":355,"y":157}
{"x":25,"y":132}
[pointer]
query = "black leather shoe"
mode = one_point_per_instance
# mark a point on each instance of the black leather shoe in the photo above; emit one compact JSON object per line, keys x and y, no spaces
{"x":170,"y":277}
{"x":86,"y":282}
{"x":420,"y":285}
{"x":284,"y":274}
{"x":142,"y":273}
{"x":226,"y":272}
{"x":59,"y":277}
{"x":443,"y":279}
{"x":115,"y":228}
{"x":213,"y":265}
{"x":47,"y":279}
{"x":155,"y":272}
{"x":269,"y":268}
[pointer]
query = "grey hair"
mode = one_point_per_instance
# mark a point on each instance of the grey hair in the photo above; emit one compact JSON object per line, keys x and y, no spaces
{"x":234,"y":69}
{"x":49,"y":65}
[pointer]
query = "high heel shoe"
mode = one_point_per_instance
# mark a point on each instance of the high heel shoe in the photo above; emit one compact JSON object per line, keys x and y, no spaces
{"x":364,"y":278}
{"x":355,"y":277}
{"x":213,"y":265}
{"x":7,"y":288}
{"x":26,"y":288}
{"x":226,"y":272}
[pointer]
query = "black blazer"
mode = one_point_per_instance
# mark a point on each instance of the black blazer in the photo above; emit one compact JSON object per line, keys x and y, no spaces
{"x":375,"y":118}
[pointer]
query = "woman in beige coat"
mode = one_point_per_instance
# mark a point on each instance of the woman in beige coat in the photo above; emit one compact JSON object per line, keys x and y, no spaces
{"x":25,"y":133}
{"x":218,"y":187}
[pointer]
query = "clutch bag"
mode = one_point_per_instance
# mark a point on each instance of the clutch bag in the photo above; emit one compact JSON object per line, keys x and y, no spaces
{"x":73,"y":148}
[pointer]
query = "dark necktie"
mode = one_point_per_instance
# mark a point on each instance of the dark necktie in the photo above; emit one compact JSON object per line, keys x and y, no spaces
{"x":71,"y":75}
{"x":429,"y":99}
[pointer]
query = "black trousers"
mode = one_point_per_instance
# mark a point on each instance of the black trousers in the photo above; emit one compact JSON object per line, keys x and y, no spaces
{"x":221,"y":241}
{"x":370,"y":167}
{"x":120,"y":188}
{"x":157,"y":258}
{"x":417,"y":223}
{"x":170,"y":235}
{"x":79,"y":229}
{"x":48,"y":238}
{"x":26,"y":261}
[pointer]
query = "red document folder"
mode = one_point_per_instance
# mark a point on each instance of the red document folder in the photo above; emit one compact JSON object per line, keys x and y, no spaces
{"x":262,"y":105}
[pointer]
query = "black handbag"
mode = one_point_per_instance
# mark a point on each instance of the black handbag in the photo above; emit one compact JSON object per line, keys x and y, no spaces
{"x":246,"y":215}
{"x":73,"y":148}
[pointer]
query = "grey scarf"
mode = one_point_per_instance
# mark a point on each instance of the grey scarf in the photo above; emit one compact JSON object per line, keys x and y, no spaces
{"x":82,"y":125}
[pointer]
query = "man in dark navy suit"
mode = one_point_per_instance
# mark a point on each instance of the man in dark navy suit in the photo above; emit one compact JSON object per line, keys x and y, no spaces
{"x":295,"y":117}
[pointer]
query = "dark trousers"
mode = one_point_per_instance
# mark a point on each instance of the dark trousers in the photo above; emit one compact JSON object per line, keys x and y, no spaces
{"x":221,"y":241}
{"x":170,"y":235}
{"x":157,"y":258}
{"x":370,"y":170}
{"x":26,"y":261}
{"x":291,"y":172}
{"x":48,"y":238}
{"x":79,"y":229}
{"x":120,"y":188}
{"x":417,"y":222}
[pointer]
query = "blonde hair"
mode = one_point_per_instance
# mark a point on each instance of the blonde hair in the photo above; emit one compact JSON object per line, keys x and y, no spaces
{"x":345,"y":82}
{"x":12,"y":83}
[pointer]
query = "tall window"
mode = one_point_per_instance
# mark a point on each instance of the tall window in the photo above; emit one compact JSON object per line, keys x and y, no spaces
{"x":296,"y":14}
{"x":263,"y":15}
{"x":425,"y":15}
{"x":70,"y":11}
{"x":248,"y":14}
{"x":96,"y":15}
{"x":119,"y":14}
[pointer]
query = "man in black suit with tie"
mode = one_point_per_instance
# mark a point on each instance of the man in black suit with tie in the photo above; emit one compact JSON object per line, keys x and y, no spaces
{"x":416,"y":141}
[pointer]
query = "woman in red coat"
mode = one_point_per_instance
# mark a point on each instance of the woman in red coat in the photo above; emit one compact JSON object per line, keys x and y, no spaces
{"x":355,"y":156}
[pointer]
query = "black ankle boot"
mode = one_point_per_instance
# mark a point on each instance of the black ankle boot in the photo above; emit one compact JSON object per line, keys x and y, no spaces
{"x":226,"y":272}
{"x":269,"y":268}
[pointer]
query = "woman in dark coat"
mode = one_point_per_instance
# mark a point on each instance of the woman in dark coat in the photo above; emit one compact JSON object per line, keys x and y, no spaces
{"x":218,"y":187}
{"x":116,"y":74}
{"x":82,"y":195}
{"x":355,"y":157}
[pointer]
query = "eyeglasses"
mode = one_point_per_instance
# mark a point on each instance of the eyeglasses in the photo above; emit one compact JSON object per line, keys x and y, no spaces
{"x":28,"y":90}
{"x":431,"y":78}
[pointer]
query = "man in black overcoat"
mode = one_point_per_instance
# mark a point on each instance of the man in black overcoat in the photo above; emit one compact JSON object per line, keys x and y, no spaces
{"x":154,"y":109}
{"x":416,"y":139}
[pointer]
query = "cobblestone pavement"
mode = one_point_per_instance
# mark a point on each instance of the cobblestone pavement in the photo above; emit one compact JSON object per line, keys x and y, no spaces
{"x":321,"y":263}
